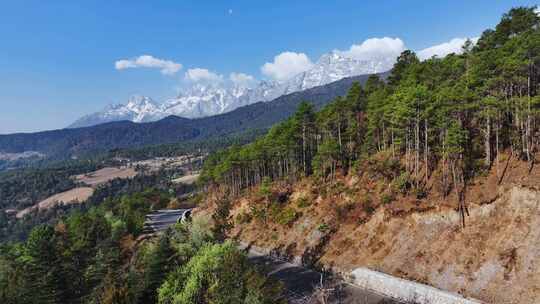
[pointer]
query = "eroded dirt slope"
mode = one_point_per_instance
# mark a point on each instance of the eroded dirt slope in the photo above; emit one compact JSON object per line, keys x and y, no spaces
{"x":346,"y":224}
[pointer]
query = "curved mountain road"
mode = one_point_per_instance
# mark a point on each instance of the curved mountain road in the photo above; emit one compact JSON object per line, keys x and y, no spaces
{"x":301,"y":283}
{"x":160,"y":220}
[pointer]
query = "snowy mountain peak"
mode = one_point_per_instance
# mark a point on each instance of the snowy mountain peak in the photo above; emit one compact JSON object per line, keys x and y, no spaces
{"x":328,"y":58}
{"x":137,"y":109}
{"x":201,"y":100}
{"x":140,"y":101}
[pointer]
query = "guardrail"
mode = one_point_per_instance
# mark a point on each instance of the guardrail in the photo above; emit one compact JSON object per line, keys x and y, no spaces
{"x":405,"y":290}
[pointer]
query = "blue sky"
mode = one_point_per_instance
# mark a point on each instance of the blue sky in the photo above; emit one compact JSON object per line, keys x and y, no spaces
{"x":57,"y":58}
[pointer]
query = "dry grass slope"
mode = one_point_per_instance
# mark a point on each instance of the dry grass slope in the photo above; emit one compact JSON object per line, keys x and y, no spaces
{"x":347,"y":224}
{"x":104,"y":175}
{"x":76,"y":195}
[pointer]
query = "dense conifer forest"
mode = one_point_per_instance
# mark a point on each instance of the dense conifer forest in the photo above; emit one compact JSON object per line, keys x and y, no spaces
{"x":96,"y":256}
{"x":458,"y":112}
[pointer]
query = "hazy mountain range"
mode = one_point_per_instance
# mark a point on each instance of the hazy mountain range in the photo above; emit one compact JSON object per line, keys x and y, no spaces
{"x":202,"y":100}
{"x":256,"y":117}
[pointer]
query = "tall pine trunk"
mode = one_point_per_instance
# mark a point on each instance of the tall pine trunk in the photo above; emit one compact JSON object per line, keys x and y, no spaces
{"x":487,"y":144}
{"x":426,"y":150}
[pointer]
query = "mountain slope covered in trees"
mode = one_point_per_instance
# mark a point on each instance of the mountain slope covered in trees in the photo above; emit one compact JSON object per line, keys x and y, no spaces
{"x":95,"y":257}
{"x":432,"y":175}
{"x":460,"y":111}
{"x":258,"y":116}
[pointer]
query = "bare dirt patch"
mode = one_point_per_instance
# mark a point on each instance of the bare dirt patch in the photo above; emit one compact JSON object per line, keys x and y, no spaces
{"x":186,"y":179}
{"x":104,"y":175}
{"x":157,"y":163}
{"x":73,"y":196}
{"x":16,"y":156}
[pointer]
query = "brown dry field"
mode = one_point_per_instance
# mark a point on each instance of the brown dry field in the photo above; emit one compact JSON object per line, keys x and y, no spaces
{"x":104,"y":175}
{"x":81,"y":194}
{"x":76,"y":195}
{"x":186,"y":179}
{"x":494,"y":258}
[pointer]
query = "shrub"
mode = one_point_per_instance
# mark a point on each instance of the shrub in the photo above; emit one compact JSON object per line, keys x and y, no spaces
{"x":480,"y":168}
{"x":338,"y":187}
{"x":257,"y":212}
{"x":402,"y":183}
{"x":387,"y":198}
{"x":365,"y":199}
{"x":383,"y":164}
{"x":286,"y":216}
{"x":420,"y":192}
{"x":323,"y":227}
{"x":265,"y":189}
{"x":243,"y":218}
{"x":303,"y":202}
{"x":197,"y":199}
{"x":369,"y":209}
{"x":274,"y":211}
{"x":343,"y":210}
{"x":323,"y":192}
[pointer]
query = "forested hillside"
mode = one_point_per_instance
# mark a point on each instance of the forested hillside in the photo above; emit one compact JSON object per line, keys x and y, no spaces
{"x":97,"y":257}
{"x":430,"y":176}
{"x":456,"y":113}
{"x":24,"y":188}
{"x":428,"y":173}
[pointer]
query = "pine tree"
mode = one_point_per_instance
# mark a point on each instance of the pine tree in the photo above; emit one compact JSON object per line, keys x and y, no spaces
{"x":42,"y":271}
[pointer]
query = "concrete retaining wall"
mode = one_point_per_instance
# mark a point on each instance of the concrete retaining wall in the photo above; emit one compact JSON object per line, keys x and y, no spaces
{"x":404,"y":290}
{"x":390,"y":286}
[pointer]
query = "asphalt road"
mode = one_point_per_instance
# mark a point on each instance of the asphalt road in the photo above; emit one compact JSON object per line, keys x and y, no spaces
{"x":162,"y":219}
{"x":301,"y":283}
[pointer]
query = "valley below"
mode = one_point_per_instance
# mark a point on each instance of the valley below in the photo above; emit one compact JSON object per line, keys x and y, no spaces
{"x":87,"y":183}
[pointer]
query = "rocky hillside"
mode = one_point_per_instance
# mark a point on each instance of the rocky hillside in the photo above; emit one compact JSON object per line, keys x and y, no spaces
{"x":432,"y":175}
{"x":351,"y":222}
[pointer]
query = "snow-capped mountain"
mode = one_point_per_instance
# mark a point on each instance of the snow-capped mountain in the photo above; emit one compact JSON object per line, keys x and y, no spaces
{"x":333,"y":67}
{"x":212,"y":99}
{"x":206,"y":100}
{"x":137,"y":109}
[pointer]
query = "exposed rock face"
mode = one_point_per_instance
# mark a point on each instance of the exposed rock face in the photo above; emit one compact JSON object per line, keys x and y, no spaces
{"x":495,"y":258}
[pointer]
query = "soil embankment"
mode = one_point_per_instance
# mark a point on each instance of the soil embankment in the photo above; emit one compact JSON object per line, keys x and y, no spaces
{"x":494,"y":258}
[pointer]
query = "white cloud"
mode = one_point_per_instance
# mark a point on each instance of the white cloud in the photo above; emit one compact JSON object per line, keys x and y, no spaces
{"x":166,"y":67}
{"x":385,"y":48}
{"x":241,"y":79}
{"x":286,"y":65}
{"x":124,"y":64}
{"x":443,"y":49}
{"x":202,"y":75}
